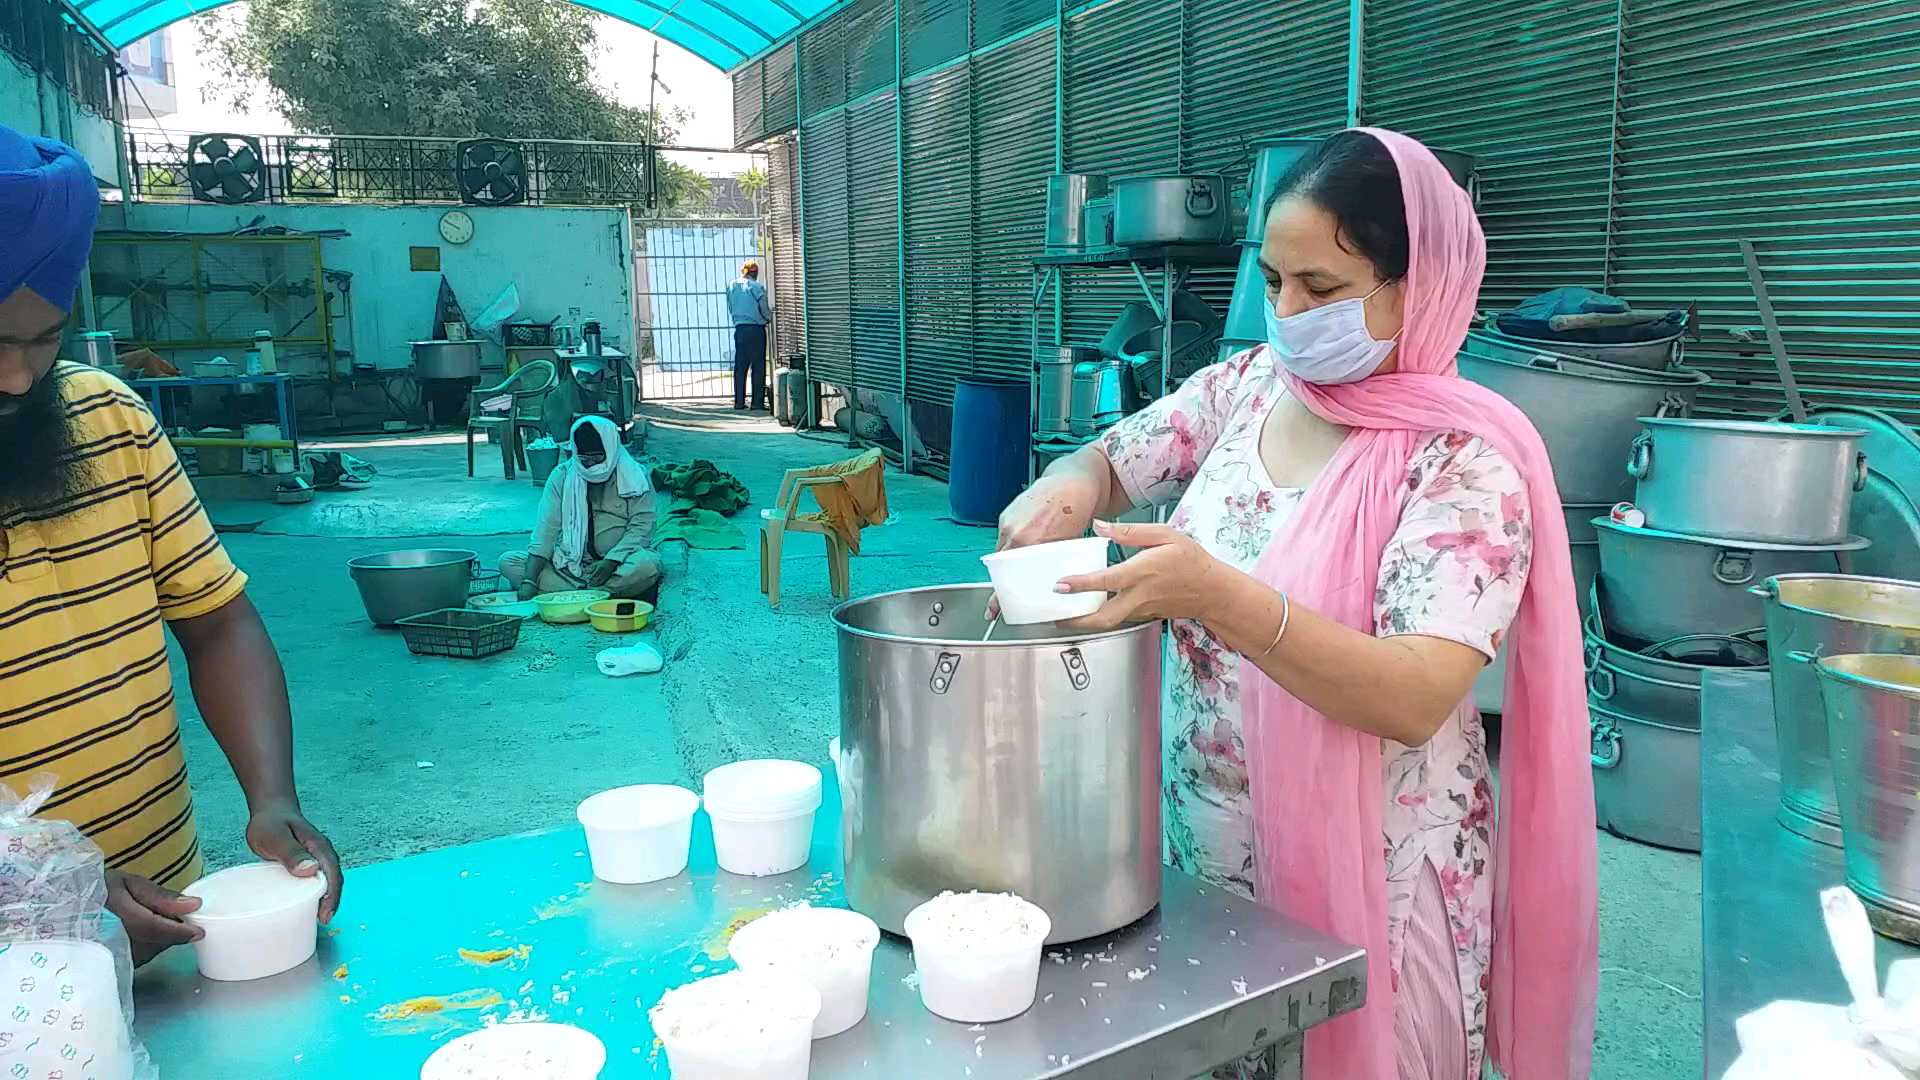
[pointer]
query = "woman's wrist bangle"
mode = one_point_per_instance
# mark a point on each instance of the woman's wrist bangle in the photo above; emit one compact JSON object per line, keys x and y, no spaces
{"x":1286,"y":616}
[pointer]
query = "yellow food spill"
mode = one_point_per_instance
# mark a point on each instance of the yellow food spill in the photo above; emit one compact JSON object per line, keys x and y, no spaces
{"x":489,"y":957}
{"x":345,"y":1000}
{"x":340,"y":972}
{"x":716,"y":947}
{"x":439,"y":1003}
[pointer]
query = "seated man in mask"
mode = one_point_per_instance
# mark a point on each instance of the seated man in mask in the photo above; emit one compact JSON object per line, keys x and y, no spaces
{"x":103,"y":543}
{"x":594,"y":525}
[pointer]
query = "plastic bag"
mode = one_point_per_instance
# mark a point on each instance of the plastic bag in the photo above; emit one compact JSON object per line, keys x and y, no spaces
{"x":66,"y":966}
{"x":1875,"y":1038}
{"x":504,"y":307}
{"x":637,"y":659}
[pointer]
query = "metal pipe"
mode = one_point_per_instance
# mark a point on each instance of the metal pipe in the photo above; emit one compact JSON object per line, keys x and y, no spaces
{"x":800,"y":225}
{"x":1356,"y":54}
{"x":1613,"y":146}
{"x":900,"y":232}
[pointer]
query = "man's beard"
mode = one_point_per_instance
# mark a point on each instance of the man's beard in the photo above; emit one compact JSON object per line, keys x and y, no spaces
{"x":37,"y":468}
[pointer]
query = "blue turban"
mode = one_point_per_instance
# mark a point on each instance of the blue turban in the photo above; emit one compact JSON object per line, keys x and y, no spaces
{"x":48,"y":204}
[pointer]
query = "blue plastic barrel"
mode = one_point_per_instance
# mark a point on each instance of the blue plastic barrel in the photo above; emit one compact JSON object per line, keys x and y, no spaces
{"x":987,"y":462}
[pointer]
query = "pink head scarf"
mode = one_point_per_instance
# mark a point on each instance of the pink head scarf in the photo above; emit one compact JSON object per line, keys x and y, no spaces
{"x":1316,"y":784}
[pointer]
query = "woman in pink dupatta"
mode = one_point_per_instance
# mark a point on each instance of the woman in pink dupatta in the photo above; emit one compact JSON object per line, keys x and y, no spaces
{"x":1358,"y":529}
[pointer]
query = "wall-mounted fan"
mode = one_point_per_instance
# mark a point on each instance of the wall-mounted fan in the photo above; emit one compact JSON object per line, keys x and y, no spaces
{"x":491,"y":172}
{"x":226,"y":168}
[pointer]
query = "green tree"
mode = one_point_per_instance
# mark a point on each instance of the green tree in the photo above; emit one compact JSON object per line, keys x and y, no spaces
{"x":448,"y":68}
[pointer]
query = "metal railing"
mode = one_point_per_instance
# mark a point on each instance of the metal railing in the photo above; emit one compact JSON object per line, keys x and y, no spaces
{"x":402,"y":169}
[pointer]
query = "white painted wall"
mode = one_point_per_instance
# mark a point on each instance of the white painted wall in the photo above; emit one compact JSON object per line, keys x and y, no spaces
{"x":559,"y":257}
{"x":35,"y":107}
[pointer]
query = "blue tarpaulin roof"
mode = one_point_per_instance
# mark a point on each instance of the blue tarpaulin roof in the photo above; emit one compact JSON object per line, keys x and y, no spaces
{"x":724,"y":33}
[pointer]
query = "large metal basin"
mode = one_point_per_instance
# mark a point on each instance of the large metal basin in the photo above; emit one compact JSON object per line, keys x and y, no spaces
{"x":396,"y":584}
{"x":1028,"y":764}
{"x":1646,"y":778}
{"x":1587,"y":412}
{"x":1746,"y":480}
{"x":1812,"y":615}
{"x":1656,"y":585}
{"x":446,"y":359}
{"x":1873,"y":717}
{"x":1646,"y":355}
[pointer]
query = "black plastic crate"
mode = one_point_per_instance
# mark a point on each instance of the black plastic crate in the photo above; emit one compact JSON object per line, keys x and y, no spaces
{"x":460,"y":632}
{"x":528,"y":333}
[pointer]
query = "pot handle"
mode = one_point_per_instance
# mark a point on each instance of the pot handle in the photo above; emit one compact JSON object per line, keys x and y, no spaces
{"x":1200,"y":199}
{"x":1733,"y":567}
{"x":1605,"y":744}
{"x":1671,"y":405}
{"x":1600,"y":683}
{"x":1640,"y":458}
{"x":943,"y":672}
{"x":1076,"y":665}
{"x":1802,"y":656}
{"x":1860,"y":471}
{"x":1592,"y":657}
{"x":1766,"y":590}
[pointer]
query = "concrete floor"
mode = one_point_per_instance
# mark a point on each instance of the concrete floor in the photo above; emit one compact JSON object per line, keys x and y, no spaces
{"x":399,"y":754}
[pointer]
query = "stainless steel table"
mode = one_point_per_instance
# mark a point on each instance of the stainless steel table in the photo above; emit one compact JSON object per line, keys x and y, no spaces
{"x":1759,"y":883}
{"x":1205,"y":979}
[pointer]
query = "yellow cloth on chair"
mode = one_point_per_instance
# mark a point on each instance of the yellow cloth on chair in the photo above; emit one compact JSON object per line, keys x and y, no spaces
{"x":859,"y":500}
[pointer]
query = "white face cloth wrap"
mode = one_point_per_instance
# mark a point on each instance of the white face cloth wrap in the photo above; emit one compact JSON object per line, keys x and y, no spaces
{"x":1328,"y":344}
{"x":576,"y":518}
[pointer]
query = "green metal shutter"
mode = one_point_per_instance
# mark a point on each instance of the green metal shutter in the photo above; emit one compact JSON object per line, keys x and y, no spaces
{"x":783,"y":224}
{"x":934,"y":31}
{"x":1122,"y":118}
{"x":1259,"y":71}
{"x":1528,"y":87}
{"x":872,"y":196}
{"x":939,"y":233}
{"x":1012,"y":121}
{"x":997,"y":20}
{"x":1790,"y":123}
{"x":823,"y":67}
{"x":827,"y":252}
{"x":870,"y":60}
{"x":779,"y":112}
{"x":748,"y":115}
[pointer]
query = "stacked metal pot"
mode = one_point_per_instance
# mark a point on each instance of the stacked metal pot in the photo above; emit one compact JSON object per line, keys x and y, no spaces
{"x":1719,"y":508}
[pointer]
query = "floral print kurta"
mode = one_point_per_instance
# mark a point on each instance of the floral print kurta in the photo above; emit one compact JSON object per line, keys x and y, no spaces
{"x":1454,"y":569}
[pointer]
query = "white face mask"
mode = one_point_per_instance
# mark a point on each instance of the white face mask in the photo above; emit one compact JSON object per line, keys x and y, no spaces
{"x":1327,"y":344}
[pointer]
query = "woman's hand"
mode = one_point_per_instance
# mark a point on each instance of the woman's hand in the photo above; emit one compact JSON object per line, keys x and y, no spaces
{"x":1171,"y":577}
{"x":1059,"y":506}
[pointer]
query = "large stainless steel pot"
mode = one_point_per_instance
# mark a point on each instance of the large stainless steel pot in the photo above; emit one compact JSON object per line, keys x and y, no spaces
{"x":1646,"y":778}
{"x":1586,"y":412}
{"x":1811,"y":615}
{"x":1873,"y":716}
{"x":1055,"y":385}
{"x":1746,"y":480}
{"x":1151,"y":210}
{"x":446,"y":359}
{"x":1029,"y":763}
{"x":1646,"y":355}
{"x":1657,"y":585}
{"x":1067,"y":196}
{"x":1662,"y":682}
{"x":396,"y":584}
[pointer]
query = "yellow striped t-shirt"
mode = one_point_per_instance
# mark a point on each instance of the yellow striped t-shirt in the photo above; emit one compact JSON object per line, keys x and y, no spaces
{"x":85,"y":585}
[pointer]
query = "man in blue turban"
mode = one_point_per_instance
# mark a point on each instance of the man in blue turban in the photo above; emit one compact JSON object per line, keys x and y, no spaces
{"x":102,"y":543}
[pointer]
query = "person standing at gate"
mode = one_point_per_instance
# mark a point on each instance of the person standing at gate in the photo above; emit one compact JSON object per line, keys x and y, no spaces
{"x":747,"y":303}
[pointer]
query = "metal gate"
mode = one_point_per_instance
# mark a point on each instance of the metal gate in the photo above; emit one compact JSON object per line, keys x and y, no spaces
{"x":683,"y":267}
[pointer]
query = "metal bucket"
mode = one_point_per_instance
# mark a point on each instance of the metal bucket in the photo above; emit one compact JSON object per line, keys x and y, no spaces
{"x":396,"y":584}
{"x":1587,"y":413}
{"x":1055,"y":385}
{"x":1067,"y":195}
{"x":1776,"y":483}
{"x":1657,"y":585}
{"x":1028,"y":764}
{"x":1646,"y":778}
{"x":1873,"y":714}
{"x":1812,"y":615}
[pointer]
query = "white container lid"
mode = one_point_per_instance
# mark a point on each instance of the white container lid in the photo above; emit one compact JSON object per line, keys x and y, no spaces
{"x":536,"y":1051}
{"x":761,"y":790}
{"x":640,"y":806}
{"x":252,"y":891}
{"x":804,"y":939}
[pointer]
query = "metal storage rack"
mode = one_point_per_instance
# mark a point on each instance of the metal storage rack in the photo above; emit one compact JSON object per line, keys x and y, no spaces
{"x":1171,"y":263}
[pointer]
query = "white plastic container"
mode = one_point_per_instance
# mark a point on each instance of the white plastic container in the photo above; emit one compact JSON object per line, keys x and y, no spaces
{"x":259,"y":920}
{"x":739,"y":1026}
{"x":537,"y":1051}
{"x":639,"y":833}
{"x":977,"y":954}
{"x":762,"y":815}
{"x":831,"y":948}
{"x":1023,"y":580}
